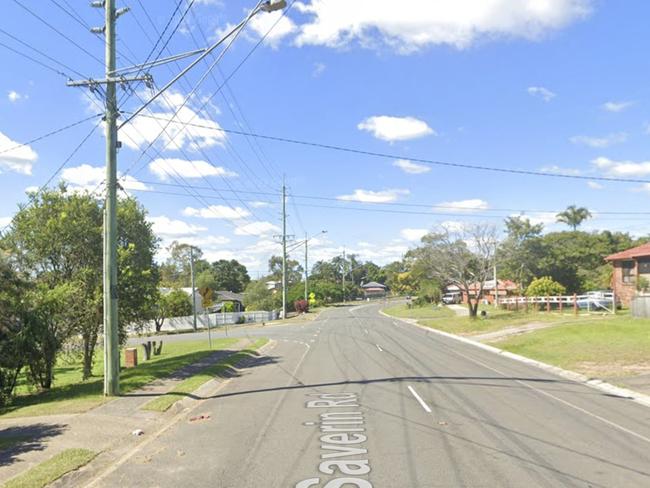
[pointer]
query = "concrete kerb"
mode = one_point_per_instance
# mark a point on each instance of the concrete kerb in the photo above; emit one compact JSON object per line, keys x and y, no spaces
{"x":595,"y":383}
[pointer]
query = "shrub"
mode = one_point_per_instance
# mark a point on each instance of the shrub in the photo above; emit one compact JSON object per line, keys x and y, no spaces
{"x":545,"y":286}
{"x":301,"y":306}
{"x":642,"y":284}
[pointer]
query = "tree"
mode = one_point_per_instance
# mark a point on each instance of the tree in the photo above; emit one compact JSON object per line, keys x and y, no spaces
{"x":294,"y":270}
{"x":544,"y":287}
{"x":12,"y":358}
{"x":258,"y":297}
{"x":463,"y":257}
{"x":176,"y":303}
{"x":206,"y":279}
{"x":230,"y":275}
{"x":176,"y":271}
{"x":573,"y":216}
{"x":521,"y":250}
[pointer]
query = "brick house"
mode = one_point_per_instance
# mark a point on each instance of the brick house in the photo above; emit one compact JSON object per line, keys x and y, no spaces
{"x":629,"y":266}
{"x":506,"y":289}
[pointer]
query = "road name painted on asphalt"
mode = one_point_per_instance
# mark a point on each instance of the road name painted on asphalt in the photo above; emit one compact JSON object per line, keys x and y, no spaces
{"x":341,"y":436}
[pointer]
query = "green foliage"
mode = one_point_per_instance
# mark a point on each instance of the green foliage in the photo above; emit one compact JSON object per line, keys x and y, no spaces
{"x":573,"y":216}
{"x":258,"y":297}
{"x":642,"y":284}
{"x":230,"y":275}
{"x":429,"y":292}
{"x":12,"y":359}
{"x":294,"y":270}
{"x":228,"y":307}
{"x":325,"y":291}
{"x":206,"y":279}
{"x":545,"y":286}
{"x":176,"y":303}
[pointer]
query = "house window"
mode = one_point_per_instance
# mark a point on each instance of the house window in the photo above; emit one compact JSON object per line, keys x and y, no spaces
{"x":644,"y":267}
{"x":628,"y":271}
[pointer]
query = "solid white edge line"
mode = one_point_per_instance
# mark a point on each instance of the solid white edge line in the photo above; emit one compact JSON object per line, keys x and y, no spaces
{"x":420,"y":401}
{"x":596,"y":384}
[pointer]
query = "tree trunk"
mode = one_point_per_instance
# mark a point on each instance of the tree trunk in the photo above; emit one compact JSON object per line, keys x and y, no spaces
{"x":159,"y":323}
{"x":90,"y":341}
{"x":473,"y":308}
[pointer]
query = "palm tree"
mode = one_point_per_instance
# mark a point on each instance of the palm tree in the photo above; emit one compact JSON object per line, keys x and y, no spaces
{"x":573,"y":216}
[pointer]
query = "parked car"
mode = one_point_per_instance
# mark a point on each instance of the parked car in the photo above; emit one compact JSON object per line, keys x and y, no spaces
{"x":596,"y":300}
{"x":451,"y":298}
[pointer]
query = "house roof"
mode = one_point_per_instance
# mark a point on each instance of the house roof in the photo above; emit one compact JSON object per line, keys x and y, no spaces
{"x":373,"y":284}
{"x":635,"y":252}
{"x":229,"y":296}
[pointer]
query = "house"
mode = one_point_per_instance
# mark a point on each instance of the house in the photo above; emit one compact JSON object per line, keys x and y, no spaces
{"x":629,"y":267}
{"x":502,"y":289}
{"x":374,"y":290}
{"x":224,"y":297}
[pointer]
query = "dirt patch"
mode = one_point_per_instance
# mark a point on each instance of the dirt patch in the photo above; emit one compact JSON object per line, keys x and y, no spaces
{"x":612,"y":369}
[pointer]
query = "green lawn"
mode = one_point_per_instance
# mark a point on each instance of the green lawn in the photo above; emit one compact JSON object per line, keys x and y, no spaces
{"x":426,"y":312}
{"x":186,"y":387}
{"x":52,"y":469}
{"x":71,"y":395}
{"x":615,"y":346}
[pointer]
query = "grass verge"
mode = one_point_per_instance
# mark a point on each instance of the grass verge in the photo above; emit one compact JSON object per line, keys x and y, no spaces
{"x":12,"y":441}
{"x":611,"y":347}
{"x":52,"y":469}
{"x":427,"y":312}
{"x":71,"y":395}
{"x":189,"y":385}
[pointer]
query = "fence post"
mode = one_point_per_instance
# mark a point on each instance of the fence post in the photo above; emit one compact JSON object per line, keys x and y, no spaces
{"x":561,"y":298}
{"x":575,"y":304}
{"x":517,"y":303}
{"x":548,"y":303}
{"x":526,"y":302}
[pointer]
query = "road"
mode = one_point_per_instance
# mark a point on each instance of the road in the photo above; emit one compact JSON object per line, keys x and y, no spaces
{"x":356,"y":399}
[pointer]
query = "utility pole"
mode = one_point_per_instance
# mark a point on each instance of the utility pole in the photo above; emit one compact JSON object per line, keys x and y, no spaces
{"x":193,"y":286}
{"x":343,"y":274}
{"x":496,"y":281}
{"x":306,"y":264}
{"x":111,"y":341}
{"x":284,"y":250}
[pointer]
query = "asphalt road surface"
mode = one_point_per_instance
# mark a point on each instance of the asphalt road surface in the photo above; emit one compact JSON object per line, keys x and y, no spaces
{"x":355,"y":399}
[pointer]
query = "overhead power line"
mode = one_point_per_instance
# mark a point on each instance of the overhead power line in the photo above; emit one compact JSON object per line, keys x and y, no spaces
{"x":431,"y":162}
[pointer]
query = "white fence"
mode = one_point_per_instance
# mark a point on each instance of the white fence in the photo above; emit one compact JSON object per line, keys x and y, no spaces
{"x":213,"y":319}
{"x":591,"y":302}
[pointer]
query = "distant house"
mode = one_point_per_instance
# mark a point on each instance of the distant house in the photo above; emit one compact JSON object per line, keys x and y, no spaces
{"x":629,"y":267}
{"x":374,"y":290}
{"x":502,"y":289}
{"x":273,"y":285}
{"x":223,"y":297}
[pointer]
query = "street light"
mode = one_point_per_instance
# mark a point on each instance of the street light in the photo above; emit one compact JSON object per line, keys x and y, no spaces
{"x":273,"y":5}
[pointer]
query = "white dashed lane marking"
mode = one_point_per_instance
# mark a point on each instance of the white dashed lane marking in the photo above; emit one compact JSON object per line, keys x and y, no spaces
{"x":419,"y":399}
{"x":379,"y":347}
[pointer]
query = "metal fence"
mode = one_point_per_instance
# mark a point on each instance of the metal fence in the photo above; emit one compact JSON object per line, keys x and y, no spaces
{"x":640,"y":306}
{"x":212,"y":320}
{"x":591,"y":302}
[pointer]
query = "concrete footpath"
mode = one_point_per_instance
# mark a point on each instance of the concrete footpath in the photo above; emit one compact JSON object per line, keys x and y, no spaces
{"x":102,"y":428}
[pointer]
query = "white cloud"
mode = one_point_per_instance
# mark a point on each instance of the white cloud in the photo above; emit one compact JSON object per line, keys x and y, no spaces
{"x":319,"y":69}
{"x":217,"y":212}
{"x":594,"y":185}
{"x":600,"y":142}
{"x":625,"y":169}
{"x":617,"y":106}
{"x":259,"y":228}
{"x":88,"y":178}
{"x":369,"y":196}
{"x":411,"y":167}
{"x":5,"y":221}
{"x":472,"y":205}
{"x":391,"y":129}
{"x":174,"y":135}
{"x":541,"y":92}
{"x":32,"y":189}
{"x":257,"y":204}
{"x":561,"y":171}
{"x":265,"y":24}
{"x":14,"y":96}
{"x":165,"y":227}
{"x":546,"y":218}
{"x":17,"y":159}
{"x":412,"y":25}
{"x":170,"y":167}
{"x":413,"y":234}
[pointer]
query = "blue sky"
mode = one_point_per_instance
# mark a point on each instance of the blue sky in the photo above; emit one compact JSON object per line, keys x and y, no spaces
{"x":544,"y":85}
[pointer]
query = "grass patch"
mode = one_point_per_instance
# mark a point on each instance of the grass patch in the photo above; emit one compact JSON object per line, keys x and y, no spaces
{"x":71,"y":395}
{"x":498,"y":319}
{"x":187,"y":386}
{"x":616,"y":346}
{"x":426,"y":312}
{"x":52,"y":469}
